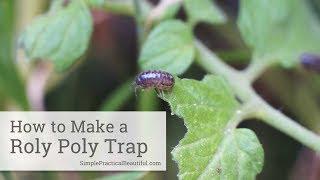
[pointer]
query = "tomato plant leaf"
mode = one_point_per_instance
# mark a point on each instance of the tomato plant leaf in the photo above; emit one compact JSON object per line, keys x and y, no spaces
{"x":279,"y":30}
{"x":204,"y":11}
{"x":60,"y":36}
{"x":169,"y":47}
{"x":212,"y":148}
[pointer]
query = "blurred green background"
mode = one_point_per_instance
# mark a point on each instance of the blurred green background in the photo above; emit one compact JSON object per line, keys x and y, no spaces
{"x":103,"y":81}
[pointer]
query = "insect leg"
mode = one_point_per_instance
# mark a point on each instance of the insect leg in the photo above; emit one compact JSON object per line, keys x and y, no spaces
{"x":135,"y":90}
{"x":160,"y":93}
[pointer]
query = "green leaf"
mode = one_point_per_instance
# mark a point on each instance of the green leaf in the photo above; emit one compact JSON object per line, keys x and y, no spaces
{"x":169,"y":47}
{"x":124,"y":176}
{"x":279,"y":29}
{"x":60,"y":36}
{"x":204,"y":11}
{"x":11,"y":84}
{"x":212,"y":148}
{"x":170,"y":11}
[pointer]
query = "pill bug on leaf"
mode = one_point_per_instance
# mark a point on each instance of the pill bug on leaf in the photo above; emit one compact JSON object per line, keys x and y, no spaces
{"x":310,"y":62}
{"x":157,"y":79}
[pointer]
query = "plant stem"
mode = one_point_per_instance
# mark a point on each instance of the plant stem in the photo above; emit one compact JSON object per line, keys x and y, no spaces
{"x":118,"y":97}
{"x":121,"y":7}
{"x":241,"y":85}
{"x":213,"y":64}
{"x":280,"y":82}
{"x":256,"y":68}
{"x":240,"y":81}
{"x":139,"y":21}
{"x":36,"y":85}
{"x":157,"y":12}
{"x":287,"y":125}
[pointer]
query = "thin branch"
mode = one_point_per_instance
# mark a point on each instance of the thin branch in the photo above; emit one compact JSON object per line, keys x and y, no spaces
{"x":287,"y":125}
{"x":241,"y":85}
{"x":240,"y":81}
{"x":158,"y":11}
{"x":213,"y":64}
{"x":139,"y":21}
{"x":118,"y":7}
{"x":36,"y":85}
{"x":118,"y":97}
{"x":256,"y":68}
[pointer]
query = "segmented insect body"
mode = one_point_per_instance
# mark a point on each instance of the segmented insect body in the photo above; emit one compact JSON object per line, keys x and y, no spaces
{"x":160,"y":80}
{"x":310,"y":62}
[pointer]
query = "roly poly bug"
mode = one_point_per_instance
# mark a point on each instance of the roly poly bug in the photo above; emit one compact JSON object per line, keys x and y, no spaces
{"x":310,"y":62}
{"x":157,"y":79}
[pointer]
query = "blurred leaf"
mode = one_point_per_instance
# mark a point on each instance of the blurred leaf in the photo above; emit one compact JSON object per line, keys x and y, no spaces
{"x":7,"y":175}
{"x":169,"y":47}
{"x":204,"y":11}
{"x":123,"y":7}
{"x":279,"y":29}
{"x":60,"y":36}
{"x":125,"y":176}
{"x":95,"y":3}
{"x":170,"y":11}
{"x":212,"y":148}
{"x":118,"y":97}
{"x":10,"y":81}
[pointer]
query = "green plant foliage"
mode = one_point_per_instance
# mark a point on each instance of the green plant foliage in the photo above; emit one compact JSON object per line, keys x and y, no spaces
{"x":204,"y":11}
{"x":124,"y":176}
{"x":279,"y":30}
{"x":60,"y":36}
{"x":170,"y":11}
{"x":212,"y":147}
{"x":118,"y":97}
{"x":10,"y":82}
{"x":169,"y":47}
